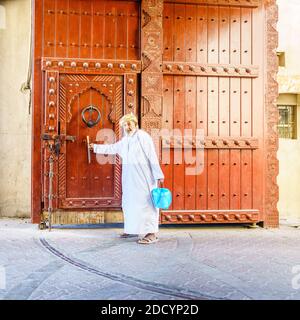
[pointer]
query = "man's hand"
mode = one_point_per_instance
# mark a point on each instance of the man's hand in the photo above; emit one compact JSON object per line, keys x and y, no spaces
{"x":160,"y":182}
{"x":91,"y":146}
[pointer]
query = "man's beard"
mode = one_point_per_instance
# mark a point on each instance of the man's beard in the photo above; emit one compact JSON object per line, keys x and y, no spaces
{"x":129,"y":131}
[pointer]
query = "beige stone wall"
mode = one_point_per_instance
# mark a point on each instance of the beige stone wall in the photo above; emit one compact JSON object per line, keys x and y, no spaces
{"x":289,"y":167}
{"x":289,"y":28}
{"x":289,"y":87}
{"x":15,"y":122}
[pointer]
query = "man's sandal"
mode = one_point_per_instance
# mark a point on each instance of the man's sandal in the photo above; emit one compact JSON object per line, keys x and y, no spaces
{"x":126,"y":235}
{"x":147,"y":240}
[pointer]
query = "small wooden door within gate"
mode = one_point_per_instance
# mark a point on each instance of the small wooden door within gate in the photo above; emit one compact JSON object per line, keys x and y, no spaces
{"x":83,"y":184}
{"x":72,"y":90}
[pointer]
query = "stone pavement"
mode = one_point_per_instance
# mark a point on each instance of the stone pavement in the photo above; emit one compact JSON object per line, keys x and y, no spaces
{"x":205,"y":262}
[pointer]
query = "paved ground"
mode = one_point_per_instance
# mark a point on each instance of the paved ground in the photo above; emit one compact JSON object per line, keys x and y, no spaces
{"x":187,"y":263}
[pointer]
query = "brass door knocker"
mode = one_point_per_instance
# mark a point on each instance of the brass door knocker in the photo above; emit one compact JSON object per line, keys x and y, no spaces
{"x":90,"y":122}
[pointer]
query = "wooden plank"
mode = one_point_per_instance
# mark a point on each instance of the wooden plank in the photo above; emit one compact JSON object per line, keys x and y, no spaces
{"x":178,"y":120}
{"x":212,"y":112}
{"x":190,"y":104}
{"x":168,"y":96}
{"x":98,"y":29}
{"x":190,"y":130}
{"x":110,"y":31}
{"x":224,"y":33}
{"x":212,"y":155}
{"x":212,"y":179}
{"x":201,"y":185}
{"x":122,"y":31}
{"x":133,"y":31}
{"x":235,"y":107}
{"x":235,"y":183}
{"x":167,"y":168}
{"x":224,"y":108}
{"x":74,"y":29}
{"x":246,"y":87}
{"x":213,"y":35}
{"x":86,"y":29}
{"x":191,"y":32}
{"x":246,"y":36}
{"x":202,"y":105}
{"x":246,"y":179}
{"x":168,"y":21}
{"x":246,"y":109}
{"x":49,"y":28}
{"x":61,"y":26}
{"x":224,"y":179}
{"x":201,"y":116}
{"x":167,"y":123}
{"x":235,"y":125}
{"x":202,"y":34}
{"x":179,"y":35}
{"x":235,"y":111}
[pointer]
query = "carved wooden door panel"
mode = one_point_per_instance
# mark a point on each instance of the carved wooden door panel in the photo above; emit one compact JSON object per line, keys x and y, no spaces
{"x":82,"y":184}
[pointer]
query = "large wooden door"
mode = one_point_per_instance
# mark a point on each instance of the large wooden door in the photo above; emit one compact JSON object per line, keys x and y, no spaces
{"x":205,"y":65}
{"x":215,"y":58}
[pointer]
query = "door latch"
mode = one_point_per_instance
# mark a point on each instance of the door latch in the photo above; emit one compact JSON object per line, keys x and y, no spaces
{"x":56,"y":141}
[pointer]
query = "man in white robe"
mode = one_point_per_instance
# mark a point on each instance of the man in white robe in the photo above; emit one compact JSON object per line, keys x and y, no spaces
{"x":139,"y":177}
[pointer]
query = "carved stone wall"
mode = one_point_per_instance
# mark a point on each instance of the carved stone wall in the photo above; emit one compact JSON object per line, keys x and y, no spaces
{"x":151,"y":48}
{"x":271,"y":93}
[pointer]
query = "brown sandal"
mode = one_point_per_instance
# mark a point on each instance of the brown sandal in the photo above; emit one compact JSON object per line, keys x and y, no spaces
{"x":147,"y":240}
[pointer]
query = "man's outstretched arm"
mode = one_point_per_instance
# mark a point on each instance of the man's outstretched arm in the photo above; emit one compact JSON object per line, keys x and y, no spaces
{"x":113,"y":148}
